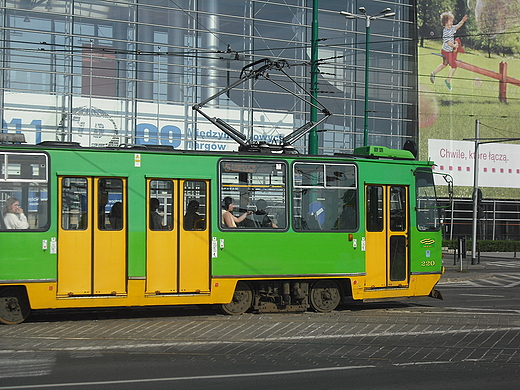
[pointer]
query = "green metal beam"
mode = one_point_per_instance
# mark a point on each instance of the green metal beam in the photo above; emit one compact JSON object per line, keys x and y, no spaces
{"x":313,"y":134}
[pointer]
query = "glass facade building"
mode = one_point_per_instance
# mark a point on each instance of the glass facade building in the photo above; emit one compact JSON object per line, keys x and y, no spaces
{"x":118,"y":72}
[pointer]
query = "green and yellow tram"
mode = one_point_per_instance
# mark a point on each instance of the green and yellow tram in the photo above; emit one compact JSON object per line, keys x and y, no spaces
{"x":143,"y":226}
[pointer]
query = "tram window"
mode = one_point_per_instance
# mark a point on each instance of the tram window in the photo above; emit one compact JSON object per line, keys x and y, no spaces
{"x":397,"y":258}
{"x":110,"y":204}
{"x":398,"y":208}
{"x":428,"y":218}
{"x":374,"y":209}
{"x":258,"y":187}
{"x":325,"y":197}
{"x":24,"y":191}
{"x":160,"y":205}
{"x":22,"y":167}
{"x":74,"y":203}
{"x":194,"y":205}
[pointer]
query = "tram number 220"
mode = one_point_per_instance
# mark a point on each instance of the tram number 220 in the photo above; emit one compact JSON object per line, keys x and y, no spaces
{"x":428,"y":263}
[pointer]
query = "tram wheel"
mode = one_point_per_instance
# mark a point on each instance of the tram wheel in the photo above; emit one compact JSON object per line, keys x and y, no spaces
{"x":242,"y":300}
{"x":14,"y":305}
{"x":325,"y":296}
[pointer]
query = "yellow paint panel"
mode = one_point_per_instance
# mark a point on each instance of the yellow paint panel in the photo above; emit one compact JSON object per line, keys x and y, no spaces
{"x":425,"y":283}
{"x":74,"y":262}
{"x":43,"y":296}
{"x":376,"y":259}
{"x":110,"y":262}
{"x":161,"y":266}
{"x":194,"y":265}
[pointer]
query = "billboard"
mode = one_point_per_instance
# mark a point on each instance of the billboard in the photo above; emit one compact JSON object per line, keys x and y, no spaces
{"x":469,"y":70}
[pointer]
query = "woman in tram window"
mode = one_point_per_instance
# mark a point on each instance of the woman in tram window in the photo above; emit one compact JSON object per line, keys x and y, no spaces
{"x":14,"y":218}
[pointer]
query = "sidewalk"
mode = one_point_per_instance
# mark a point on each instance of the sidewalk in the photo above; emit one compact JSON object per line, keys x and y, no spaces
{"x":484,"y":256}
{"x":499,"y":255}
{"x":454,"y":272}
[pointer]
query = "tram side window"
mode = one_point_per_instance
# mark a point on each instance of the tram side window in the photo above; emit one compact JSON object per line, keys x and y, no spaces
{"x":325,"y":197}
{"x":74,"y":203}
{"x":194,"y":205}
{"x":160,"y":205}
{"x":374,"y":209}
{"x":110,"y":204}
{"x":24,"y":191}
{"x":428,"y":218}
{"x":257,"y":187}
{"x":398,"y":207}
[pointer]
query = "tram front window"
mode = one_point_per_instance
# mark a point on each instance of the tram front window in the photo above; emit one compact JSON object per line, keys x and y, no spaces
{"x":427,"y":209}
{"x":23,"y":191}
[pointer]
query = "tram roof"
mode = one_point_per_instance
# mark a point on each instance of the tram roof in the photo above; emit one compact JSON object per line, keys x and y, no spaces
{"x":365,"y":152}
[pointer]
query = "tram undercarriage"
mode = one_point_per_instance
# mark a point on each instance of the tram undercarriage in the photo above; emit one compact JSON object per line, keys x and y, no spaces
{"x":278,"y":296}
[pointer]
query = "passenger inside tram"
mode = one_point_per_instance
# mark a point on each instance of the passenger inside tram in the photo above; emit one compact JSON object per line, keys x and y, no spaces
{"x":14,"y":217}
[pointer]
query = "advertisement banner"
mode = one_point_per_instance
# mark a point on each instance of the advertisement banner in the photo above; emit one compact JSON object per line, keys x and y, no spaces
{"x":498,"y":164}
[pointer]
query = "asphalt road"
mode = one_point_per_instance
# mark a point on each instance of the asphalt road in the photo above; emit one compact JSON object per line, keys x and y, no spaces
{"x":469,"y":340}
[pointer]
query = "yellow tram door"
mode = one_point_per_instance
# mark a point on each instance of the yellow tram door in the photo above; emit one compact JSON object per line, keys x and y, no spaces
{"x":92,"y":236}
{"x":109,"y":257}
{"x":177,"y":243}
{"x":386,"y":236}
{"x":194,"y":251}
{"x":74,"y":236}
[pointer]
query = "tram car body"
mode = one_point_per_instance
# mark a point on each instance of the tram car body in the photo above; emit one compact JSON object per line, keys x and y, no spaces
{"x":135,"y":226}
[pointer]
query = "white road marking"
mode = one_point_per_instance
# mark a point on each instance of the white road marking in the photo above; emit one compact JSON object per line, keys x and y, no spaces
{"x":187,"y":378}
{"x":291,"y":338}
{"x":484,"y":295}
{"x":499,"y":280}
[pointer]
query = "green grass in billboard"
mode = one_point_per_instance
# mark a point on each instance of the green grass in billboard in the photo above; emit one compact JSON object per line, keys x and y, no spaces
{"x":451,"y":115}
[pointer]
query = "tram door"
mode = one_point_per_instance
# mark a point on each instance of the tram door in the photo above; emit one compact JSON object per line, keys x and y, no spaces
{"x":92,"y":236}
{"x":386,"y":236}
{"x":177,"y":243}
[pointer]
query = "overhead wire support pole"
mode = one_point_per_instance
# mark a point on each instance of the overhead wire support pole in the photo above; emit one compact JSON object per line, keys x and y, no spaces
{"x":386,"y":13}
{"x":367,"y":72}
{"x":313,"y":134}
{"x":475,"y":194}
